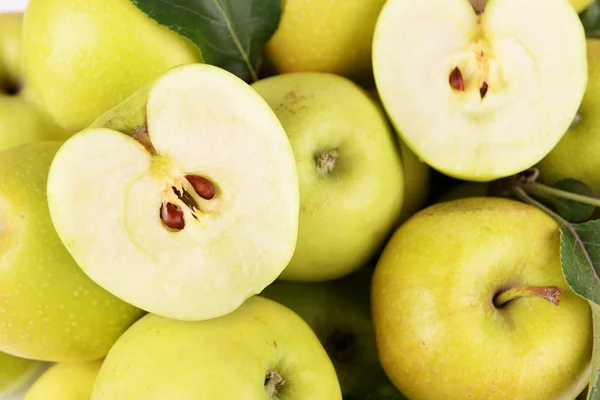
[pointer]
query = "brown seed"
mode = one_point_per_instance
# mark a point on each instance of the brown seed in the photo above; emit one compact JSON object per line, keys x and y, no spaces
{"x":456,"y":80}
{"x":202,"y":186}
{"x":483,"y":89}
{"x":172,"y":216}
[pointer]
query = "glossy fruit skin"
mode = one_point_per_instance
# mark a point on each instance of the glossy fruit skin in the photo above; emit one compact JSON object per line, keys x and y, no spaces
{"x":576,"y":155}
{"x":50,"y":309}
{"x":223,"y":358}
{"x":65,"y":382}
{"x":22,"y":119}
{"x":439,"y":334}
{"x":15,"y":372}
{"x":85,"y":56}
{"x":346,"y":214}
{"x":325,"y":36}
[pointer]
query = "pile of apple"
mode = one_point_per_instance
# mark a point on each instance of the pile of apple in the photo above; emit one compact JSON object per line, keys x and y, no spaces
{"x":169,"y":230}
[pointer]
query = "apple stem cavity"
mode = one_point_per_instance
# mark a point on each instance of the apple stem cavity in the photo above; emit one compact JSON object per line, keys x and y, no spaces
{"x":326,"y":161}
{"x":172,"y":216}
{"x":273,"y":383}
{"x":202,"y":186}
{"x":456,"y":80}
{"x":341,"y":345}
{"x":140,"y":133}
{"x":550,"y":293}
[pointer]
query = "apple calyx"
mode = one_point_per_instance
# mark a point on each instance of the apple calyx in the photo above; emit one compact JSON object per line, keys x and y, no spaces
{"x":273,"y":383}
{"x":341,"y":345}
{"x":326,"y":161}
{"x":550,"y":293}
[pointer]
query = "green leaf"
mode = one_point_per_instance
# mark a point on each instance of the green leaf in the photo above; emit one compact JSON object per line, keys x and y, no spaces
{"x":230,"y":34}
{"x":591,"y":18}
{"x":594,"y":389}
{"x":580,"y":257}
{"x":574,"y":211}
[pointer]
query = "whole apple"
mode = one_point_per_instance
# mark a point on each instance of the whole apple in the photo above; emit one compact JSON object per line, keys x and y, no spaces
{"x":576,"y":155}
{"x":85,"y":56}
{"x":73,"y":381}
{"x":50,"y":310}
{"x":22,"y":119}
{"x":261,"y":351}
{"x":325,"y":36}
{"x":349,"y":170}
{"x":469,"y":302}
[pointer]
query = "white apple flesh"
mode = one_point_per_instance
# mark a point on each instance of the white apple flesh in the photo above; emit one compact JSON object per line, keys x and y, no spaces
{"x":484,"y":95}
{"x":137,"y":216}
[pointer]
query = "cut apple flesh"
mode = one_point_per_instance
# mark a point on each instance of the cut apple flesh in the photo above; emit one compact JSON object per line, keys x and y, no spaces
{"x":480,"y":95}
{"x":196,"y":215}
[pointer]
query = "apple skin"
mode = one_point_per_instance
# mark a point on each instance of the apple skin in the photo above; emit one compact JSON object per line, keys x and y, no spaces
{"x":581,"y":5}
{"x":50,"y":309}
{"x":65,"y":382}
{"x":85,"y":56}
{"x":22,"y":119}
{"x":340,"y":309}
{"x":222,"y":358}
{"x":15,"y":372}
{"x":576,"y":155}
{"x":439,"y":334}
{"x":334,"y":36}
{"x":417,"y":178}
{"x":345,"y":214}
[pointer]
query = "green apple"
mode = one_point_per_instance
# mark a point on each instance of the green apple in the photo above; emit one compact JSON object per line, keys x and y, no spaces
{"x":183,"y":200}
{"x":15,"y":372}
{"x":417,"y":179}
{"x":65,"y":382}
{"x":22,"y":119}
{"x":480,"y":93}
{"x":260,"y":351}
{"x":338,"y":312}
{"x":85,"y":56}
{"x":325,"y":36}
{"x":581,"y":5}
{"x":50,"y":310}
{"x":349,"y":169}
{"x":576,"y":155}
{"x":469,"y":302}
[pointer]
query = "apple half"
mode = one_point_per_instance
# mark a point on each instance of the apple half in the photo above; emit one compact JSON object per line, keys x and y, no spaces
{"x":183,"y":200}
{"x":480,"y":90}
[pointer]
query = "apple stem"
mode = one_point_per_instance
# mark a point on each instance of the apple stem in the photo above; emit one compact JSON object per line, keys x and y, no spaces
{"x":550,"y":293}
{"x":326,"y":161}
{"x":273,"y":383}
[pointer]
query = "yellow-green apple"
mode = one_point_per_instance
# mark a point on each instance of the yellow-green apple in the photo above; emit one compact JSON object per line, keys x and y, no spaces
{"x":15,"y":373}
{"x":85,"y":56}
{"x":260,"y":351}
{"x":339,"y":314}
{"x":72,"y":381}
{"x":576,"y":155}
{"x":183,"y":200}
{"x":469,"y":302}
{"x":349,"y":169}
{"x":334,"y":36}
{"x":581,"y":5}
{"x":50,"y":310}
{"x":483,"y":89}
{"x":22,"y":119}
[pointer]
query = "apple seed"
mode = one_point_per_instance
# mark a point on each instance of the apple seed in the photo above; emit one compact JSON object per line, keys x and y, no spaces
{"x":483,"y":89}
{"x":456,"y":80}
{"x":202,"y":186}
{"x":172,"y":216}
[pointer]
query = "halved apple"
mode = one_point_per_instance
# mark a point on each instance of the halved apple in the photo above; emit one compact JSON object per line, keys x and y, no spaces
{"x":183,"y":200}
{"x":480,"y":90}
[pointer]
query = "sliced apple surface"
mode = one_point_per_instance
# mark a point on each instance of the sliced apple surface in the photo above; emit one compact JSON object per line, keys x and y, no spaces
{"x":480,"y":91}
{"x":184,"y":199}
